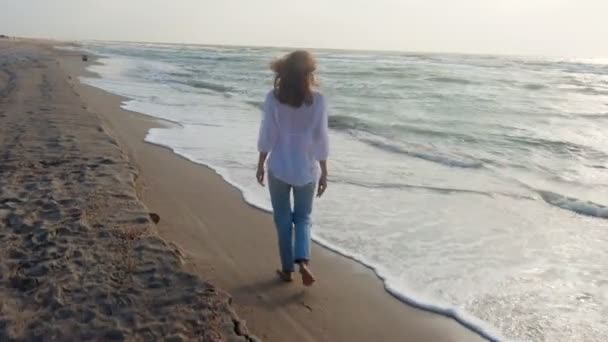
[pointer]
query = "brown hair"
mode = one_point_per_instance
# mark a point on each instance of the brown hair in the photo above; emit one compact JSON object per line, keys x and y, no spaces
{"x":294,"y":78}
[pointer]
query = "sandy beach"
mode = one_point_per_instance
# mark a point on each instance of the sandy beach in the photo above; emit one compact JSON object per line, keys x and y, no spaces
{"x":81,"y":258}
{"x":84,"y":260}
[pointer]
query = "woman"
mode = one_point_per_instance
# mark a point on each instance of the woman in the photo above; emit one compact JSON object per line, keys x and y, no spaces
{"x":294,"y":133}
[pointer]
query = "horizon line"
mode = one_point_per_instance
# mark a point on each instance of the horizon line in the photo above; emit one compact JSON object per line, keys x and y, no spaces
{"x":395,"y":51}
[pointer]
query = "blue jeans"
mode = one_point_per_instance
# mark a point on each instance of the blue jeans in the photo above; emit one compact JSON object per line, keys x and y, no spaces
{"x":287,"y":221}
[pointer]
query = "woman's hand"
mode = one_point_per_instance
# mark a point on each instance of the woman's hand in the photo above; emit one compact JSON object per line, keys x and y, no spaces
{"x":261,"y":172}
{"x":259,"y":175}
{"x":322,"y":186}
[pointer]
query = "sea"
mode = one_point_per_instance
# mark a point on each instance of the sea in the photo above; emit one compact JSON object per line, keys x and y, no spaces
{"x":474,"y":186}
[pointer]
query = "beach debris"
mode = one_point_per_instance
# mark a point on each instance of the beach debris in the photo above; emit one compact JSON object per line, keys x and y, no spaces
{"x":155,"y":217}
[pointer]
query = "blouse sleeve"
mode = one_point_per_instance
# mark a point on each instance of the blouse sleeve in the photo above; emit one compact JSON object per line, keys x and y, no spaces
{"x":321,"y":136}
{"x":268,"y":126}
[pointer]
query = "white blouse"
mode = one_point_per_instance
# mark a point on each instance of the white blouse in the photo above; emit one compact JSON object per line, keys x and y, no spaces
{"x":296,"y":138}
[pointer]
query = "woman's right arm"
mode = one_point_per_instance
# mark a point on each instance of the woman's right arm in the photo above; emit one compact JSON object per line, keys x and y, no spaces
{"x":266,"y":138}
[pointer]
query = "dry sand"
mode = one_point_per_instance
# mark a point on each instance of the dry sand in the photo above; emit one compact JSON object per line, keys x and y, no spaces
{"x":222,"y":239}
{"x":80,"y":257}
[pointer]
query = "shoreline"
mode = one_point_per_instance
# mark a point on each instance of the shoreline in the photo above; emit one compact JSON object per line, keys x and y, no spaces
{"x":467,"y":321}
{"x":448,"y":329}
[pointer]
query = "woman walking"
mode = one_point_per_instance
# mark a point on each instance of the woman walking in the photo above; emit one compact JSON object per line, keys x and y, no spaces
{"x":294,"y":138}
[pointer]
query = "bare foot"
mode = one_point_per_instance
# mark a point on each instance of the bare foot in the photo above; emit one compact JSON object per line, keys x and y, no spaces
{"x":285,"y":276}
{"x":307,"y":277}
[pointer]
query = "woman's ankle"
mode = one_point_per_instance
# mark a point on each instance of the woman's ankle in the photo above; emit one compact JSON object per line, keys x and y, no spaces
{"x":303,"y":264}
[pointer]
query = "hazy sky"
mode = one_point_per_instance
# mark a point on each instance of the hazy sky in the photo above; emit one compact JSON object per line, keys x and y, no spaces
{"x":549,"y":27}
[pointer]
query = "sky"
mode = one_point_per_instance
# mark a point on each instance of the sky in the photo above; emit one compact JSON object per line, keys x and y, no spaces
{"x":527,"y":27}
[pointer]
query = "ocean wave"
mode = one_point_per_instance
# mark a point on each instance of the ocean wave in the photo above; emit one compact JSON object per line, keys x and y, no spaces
{"x":576,"y":205}
{"x":432,"y":157}
{"x":452,"y":80}
{"x":342,"y":122}
{"x":440,"y":190}
{"x":598,"y":116}
{"x":534,"y":63}
{"x":210,"y":86}
{"x":338,"y":122}
{"x":590,"y":91}
{"x":228,"y":58}
{"x":256,"y":104}
{"x":349,"y":123}
{"x":577,"y":181}
{"x":555,"y":146}
{"x":389,"y":69}
{"x":351,"y":73}
{"x":179,"y":74}
{"x":534,"y":86}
